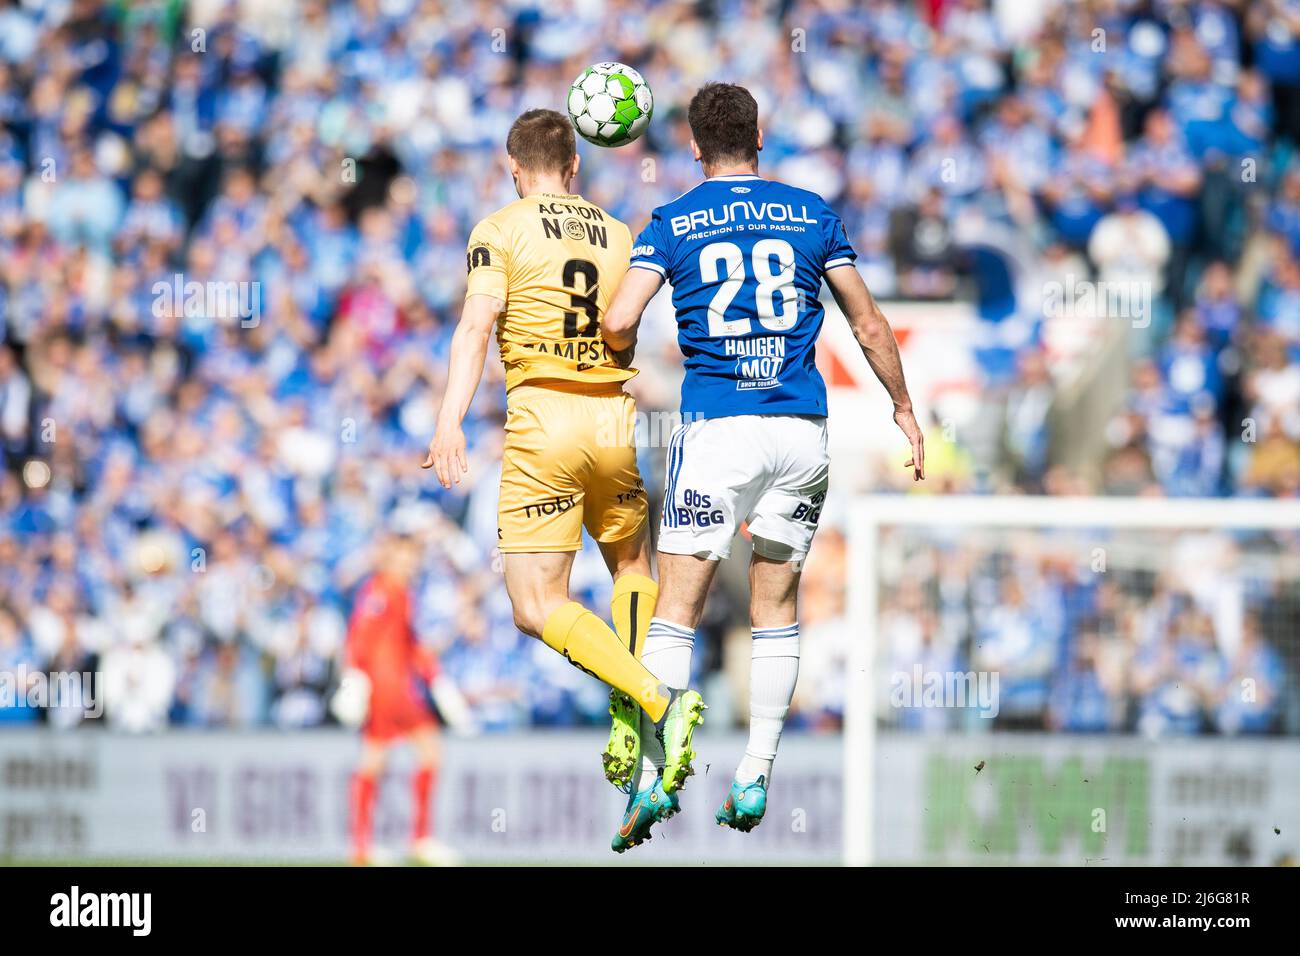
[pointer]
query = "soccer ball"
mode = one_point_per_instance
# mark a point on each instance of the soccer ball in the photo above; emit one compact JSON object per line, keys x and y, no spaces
{"x":610,"y":104}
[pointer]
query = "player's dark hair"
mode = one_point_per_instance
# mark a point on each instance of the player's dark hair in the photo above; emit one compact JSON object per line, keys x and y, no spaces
{"x":541,"y":141}
{"x":724,"y":123}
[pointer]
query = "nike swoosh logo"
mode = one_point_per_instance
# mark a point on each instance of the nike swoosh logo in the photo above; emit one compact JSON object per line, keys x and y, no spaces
{"x":626,"y":829}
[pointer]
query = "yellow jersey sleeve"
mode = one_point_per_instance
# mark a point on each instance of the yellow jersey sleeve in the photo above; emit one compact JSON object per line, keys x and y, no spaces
{"x":557,"y":262}
{"x":485,"y":261}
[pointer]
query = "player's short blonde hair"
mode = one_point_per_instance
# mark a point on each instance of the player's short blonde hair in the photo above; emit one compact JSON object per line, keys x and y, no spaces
{"x":541,"y":141}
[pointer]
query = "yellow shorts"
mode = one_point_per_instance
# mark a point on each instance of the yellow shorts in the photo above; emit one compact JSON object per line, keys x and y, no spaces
{"x":569,"y":461}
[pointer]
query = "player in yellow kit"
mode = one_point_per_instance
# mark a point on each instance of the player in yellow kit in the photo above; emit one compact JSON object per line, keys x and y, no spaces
{"x":541,"y":272}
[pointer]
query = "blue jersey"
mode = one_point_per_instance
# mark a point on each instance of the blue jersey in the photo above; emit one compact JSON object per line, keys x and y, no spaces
{"x":745,"y":257}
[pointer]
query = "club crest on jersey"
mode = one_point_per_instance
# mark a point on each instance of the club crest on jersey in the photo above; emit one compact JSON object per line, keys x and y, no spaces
{"x":577,"y":230}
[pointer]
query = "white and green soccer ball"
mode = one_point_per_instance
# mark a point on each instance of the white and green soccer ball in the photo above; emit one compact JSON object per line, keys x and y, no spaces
{"x":610,"y":104}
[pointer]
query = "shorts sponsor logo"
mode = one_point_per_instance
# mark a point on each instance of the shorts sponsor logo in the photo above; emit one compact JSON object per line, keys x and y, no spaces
{"x":634,"y":493}
{"x":811,"y":510}
{"x":697,"y":511}
{"x":555,"y":506}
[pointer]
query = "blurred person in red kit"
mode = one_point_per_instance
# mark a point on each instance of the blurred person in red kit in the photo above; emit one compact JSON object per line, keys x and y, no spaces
{"x":385,"y":690}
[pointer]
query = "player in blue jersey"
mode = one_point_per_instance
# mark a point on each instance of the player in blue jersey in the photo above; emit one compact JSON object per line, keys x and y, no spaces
{"x":746,"y":257}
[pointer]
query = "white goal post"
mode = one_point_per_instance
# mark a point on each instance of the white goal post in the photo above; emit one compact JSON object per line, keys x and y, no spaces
{"x":869,"y":514}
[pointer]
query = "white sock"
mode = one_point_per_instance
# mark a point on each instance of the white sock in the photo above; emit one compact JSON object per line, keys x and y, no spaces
{"x":773,"y":671}
{"x":666,"y":654}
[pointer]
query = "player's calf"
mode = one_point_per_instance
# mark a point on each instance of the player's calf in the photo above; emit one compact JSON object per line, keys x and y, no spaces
{"x":774,"y":670}
{"x":631,"y":609}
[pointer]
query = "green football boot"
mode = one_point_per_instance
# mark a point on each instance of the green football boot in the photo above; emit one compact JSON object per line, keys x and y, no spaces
{"x":622,"y":756}
{"x":685,"y":713}
{"x":644,"y":810}
{"x":745,"y":805}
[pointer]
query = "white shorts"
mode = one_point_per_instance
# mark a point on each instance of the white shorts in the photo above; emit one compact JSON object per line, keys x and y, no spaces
{"x":770,"y":471}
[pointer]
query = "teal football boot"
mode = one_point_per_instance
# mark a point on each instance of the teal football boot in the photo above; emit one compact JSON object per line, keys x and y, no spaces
{"x":644,"y":810}
{"x":745,"y":805}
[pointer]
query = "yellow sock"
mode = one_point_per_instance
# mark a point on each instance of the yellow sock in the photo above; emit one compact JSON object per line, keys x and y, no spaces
{"x":590,"y":645}
{"x":631,"y":608}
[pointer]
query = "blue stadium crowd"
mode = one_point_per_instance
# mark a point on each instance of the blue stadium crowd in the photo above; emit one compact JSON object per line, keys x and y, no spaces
{"x":1181,"y":634}
{"x":232,"y":240}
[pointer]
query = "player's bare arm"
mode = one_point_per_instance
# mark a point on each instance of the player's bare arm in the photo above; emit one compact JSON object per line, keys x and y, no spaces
{"x":469,"y":346}
{"x":876,"y":338}
{"x":623,"y":316}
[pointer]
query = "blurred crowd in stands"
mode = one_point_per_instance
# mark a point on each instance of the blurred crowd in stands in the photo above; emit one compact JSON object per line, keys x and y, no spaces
{"x":1159,"y":633}
{"x":232,"y":240}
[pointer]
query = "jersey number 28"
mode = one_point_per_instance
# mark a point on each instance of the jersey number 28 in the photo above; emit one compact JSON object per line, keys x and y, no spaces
{"x":776,"y":300}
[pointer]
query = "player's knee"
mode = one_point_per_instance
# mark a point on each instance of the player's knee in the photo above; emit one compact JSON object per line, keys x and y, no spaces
{"x":532,"y":611}
{"x":527,"y":620}
{"x":780,"y":553}
{"x":372,"y":759}
{"x":774,"y":598}
{"x":426,"y":749}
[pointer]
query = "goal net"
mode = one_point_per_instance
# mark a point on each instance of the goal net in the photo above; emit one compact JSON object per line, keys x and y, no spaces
{"x":1082,"y":681}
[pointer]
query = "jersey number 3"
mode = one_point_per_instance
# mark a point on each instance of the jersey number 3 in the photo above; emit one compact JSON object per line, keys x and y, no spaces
{"x":776,"y":300}
{"x":584,"y":300}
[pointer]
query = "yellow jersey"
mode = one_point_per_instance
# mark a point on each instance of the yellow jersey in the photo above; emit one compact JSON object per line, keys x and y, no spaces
{"x":556,"y":261}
